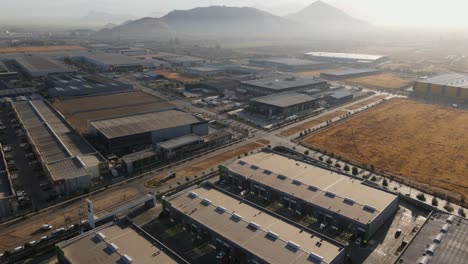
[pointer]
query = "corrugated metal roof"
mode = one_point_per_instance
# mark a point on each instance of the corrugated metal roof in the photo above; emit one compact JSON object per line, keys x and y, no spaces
{"x":137,"y":124}
{"x":284,"y":99}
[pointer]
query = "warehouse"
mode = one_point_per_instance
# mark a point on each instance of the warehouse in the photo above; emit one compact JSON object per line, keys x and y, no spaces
{"x":449,"y":85}
{"x":6,"y":74}
{"x":347,"y":74}
{"x":176,"y":147}
{"x":204,"y":71}
{"x":123,"y":134}
{"x":247,"y":234}
{"x":281,"y":84}
{"x":141,"y":161}
{"x":72,"y":85}
{"x":183,"y":61}
{"x":67,"y":159}
{"x":283,"y":104}
{"x":36,"y":66}
{"x":114,"y":62}
{"x":290,"y":64}
{"x":339,"y":97}
{"x":336,"y":57}
{"x":331,"y":198}
{"x":115,"y":242}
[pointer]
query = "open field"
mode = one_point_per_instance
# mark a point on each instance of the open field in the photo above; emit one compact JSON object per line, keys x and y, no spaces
{"x":208,"y":163}
{"x":40,"y":49}
{"x":380,"y":81}
{"x":301,"y":127}
{"x":79,"y":111}
{"x":178,"y":77}
{"x":425,"y":144}
{"x":366,"y":102}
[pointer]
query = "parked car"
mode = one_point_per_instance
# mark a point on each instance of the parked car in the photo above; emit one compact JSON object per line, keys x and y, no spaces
{"x":19,"y":131}
{"x":6,"y":149}
{"x":18,"y":249}
{"x":358,"y":241}
{"x":33,"y":163}
{"x":16,"y":126}
{"x":9,"y":157}
{"x":57,"y":231}
{"x":323,"y":225}
{"x":32,"y":243}
{"x":2,"y":127}
{"x":14,"y":120}
{"x":46,"y":227}
{"x":398,"y":233}
{"x":24,"y":145}
{"x":43,"y":238}
{"x":30,"y":155}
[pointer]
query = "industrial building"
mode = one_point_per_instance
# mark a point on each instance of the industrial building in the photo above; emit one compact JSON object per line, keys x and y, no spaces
{"x":37,"y":66}
{"x":141,"y":161}
{"x":8,"y":201}
{"x":6,"y":74}
{"x":72,"y":85}
{"x":115,"y":242}
{"x":280,"y":84}
{"x":114,"y":62}
{"x":204,"y":71}
{"x":339,"y":97}
{"x":283,"y":104}
{"x":178,"y":146}
{"x":8,"y":89}
{"x":123,"y":134}
{"x":245,"y":233}
{"x":442,"y":239}
{"x":347,"y":74}
{"x":450,"y":85}
{"x":183,"y":61}
{"x":330,"y":197}
{"x":67,"y":159}
{"x":290,"y":64}
{"x":336,"y":57}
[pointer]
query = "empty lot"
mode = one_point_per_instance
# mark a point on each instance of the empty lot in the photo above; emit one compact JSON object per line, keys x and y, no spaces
{"x":380,"y":81}
{"x":366,"y":102}
{"x":301,"y":127}
{"x":421,"y":142}
{"x":79,"y":111}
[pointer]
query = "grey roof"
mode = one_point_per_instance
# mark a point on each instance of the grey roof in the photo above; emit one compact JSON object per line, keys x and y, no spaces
{"x":181,"y":59}
{"x":115,"y":59}
{"x":42,"y":64}
{"x":314,"y":184}
{"x":16,"y":91}
{"x":284,"y":99}
{"x":205,"y":69}
{"x":452,"y":247}
{"x":283,"y":82}
{"x":290,"y":61}
{"x":351,"y":71}
{"x":129,"y":158}
{"x":180,"y":141}
{"x":449,"y":79}
{"x":353,"y":56}
{"x":340,"y":94}
{"x":269,"y":238}
{"x":3,"y":68}
{"x":142,"y":123}
{"x":66,"y":169}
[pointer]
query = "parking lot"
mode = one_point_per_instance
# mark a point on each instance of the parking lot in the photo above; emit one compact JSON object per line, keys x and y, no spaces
{"x":30,"y":183}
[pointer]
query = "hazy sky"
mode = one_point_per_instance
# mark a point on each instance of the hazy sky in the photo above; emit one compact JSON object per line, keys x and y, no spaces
{"x":414,"y":13}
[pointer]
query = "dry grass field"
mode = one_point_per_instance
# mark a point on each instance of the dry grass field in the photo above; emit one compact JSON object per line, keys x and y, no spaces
{"x":380,"y":81}
{"x":40,"y":49}
{"x":178,"y":77}
{"x":366,"y":102}
{"x":421,"y":142}
{"x":301,"y":127}
{"x":313,"y":73}
{"x":79,"y":111}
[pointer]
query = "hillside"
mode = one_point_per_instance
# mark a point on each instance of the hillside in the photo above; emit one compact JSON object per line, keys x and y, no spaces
{"x":144,"y":28}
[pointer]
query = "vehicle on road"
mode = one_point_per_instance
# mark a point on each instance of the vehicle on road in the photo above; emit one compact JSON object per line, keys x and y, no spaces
{"x":19,"y":131}
{"x":58,"y":231}
{"x":18,"y":249}
{"x":46,"y":227}
{"x":7,"y":149}
{"x":14,"y":120}
{"x":24,"y":145}
{"x":43,"y":238}
{"x":32,"y":243}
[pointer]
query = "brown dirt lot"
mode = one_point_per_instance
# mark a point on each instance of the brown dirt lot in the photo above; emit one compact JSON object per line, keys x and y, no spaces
{"x":178,"y":77}
{"x":40,"y":49}
{"x":299,"y":128}
{"x":79,"y":111}
{"x":421,"y":142}
{"x":366,"y":102}
{"x":380,"y":81}
{"x":313,"y":73}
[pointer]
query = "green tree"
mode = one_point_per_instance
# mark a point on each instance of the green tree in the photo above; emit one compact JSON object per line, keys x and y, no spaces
{"x":306,"y":152}
{"x":385,"y":183}
{"x":373,"y":178}
{"x":434,"y":202}
{"x":421,"y":197}
{"x":346,"y":168}
{"x":355,"y":171}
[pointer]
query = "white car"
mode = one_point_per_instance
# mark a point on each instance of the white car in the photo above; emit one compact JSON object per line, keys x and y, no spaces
{"x":18,"y":249}
{"x":244,"y":192}
{"x":46,"y":227}
{"x":6,"y":149}
{"x":32,"y":243}
{"x":2,"y":127}
{"x":24,"y":145}
{"x":57,"y":231}
{"x":323,"y":225}
{"x":43,"y":238}
{"x":358,"y":241}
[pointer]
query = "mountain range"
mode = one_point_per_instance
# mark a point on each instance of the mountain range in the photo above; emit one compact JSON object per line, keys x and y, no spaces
{"x":317,"y":20}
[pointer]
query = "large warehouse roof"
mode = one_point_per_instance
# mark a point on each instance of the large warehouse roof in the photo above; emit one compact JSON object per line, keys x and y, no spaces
{"x":283,"y":82}
{"x":449,"y":79}
{"x":37,"y":64}
{"x":351,"y":72}
{"x":284,"y":99}
{"x":289,"y":61}
{"x":260,"y":233}
{"x":324,"y":188}
{"x":353,"y":56}
{"x":137,"y":124}
{"x":114,"y":59}
{"x":110,"y":243}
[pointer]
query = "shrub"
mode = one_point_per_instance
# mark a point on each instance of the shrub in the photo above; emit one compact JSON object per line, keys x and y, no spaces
{"x":435,"y":202}
{"x":385,"y":183}
{"x":355,"y":171}
{"x":461,"y":212}
{"x":448,"y":207}
{"x":337,"y":165}
{"x":306,"y":152}
{"x":329,"y":161}
{"x":373,"y":178}
{"x":321,"y":158}
{"x":421,"y":197}
{"x":346,"y":168}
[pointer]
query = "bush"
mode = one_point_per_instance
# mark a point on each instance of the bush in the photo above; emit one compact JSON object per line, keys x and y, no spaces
{"x":306,"y":152}
{"x":461,"y":212}
{"x":421,"y":197}
{"x":321,"y":158}
{"x":385,"y":183}
{"x":448,"y":208}
{"x":355,"y":171}
{"x":337,"y":165}
{"x":346,"y":168}
{"x":329,"y":161}
{"x":434,"y":202}
{"x":373,"y":178}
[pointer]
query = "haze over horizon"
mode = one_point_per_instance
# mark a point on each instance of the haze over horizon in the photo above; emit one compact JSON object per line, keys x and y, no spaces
{"x":395,"y":13}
